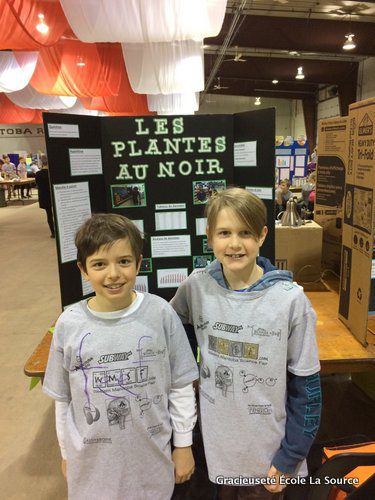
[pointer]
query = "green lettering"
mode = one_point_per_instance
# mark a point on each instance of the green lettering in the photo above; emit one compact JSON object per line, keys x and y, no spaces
{"x":161,"y":126}
{"x":140,"y":171}
{"x":152,"y":147}
{"x":178,"y":125}
{"x":140,"y":130}
{"x":172,"y":144}
{"x":165,"y":169}
{"x":214,"y":165}
{"x":124,"y":172}
{"x":185,"y":168}
{"x":205,"y":145}
{"x":188,"y":141}
{"x":119,"y":146}
{"x":220,"y":144}
{"x":133,"y":152}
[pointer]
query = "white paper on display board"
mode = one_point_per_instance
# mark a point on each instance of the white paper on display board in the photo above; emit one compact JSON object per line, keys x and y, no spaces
{"x":299,"y":172}
{"x":86,"y":161}
{"x":139,"y":224}
{"x":60,"y":130}
{"x":245,"y":154}
{"x":373,"y":269}
{"x":300,"y":161}
{"x":171,"y":278}
{"x":72,"y":209}
{"x":282,"y":161}
{"x":284,"y":173}
{"x":141,"y":284}
{"x":170,"y":206}
{"x":264,"y":193}
{"x":165,"y":221}
{"x":200,"y":226}
{"x":170,"y":246}
{"x":86,"y":287}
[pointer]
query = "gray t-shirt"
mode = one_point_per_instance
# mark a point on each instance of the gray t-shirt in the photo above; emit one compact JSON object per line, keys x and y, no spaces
{"x":116,"y":375}
{"x":248,"y":342}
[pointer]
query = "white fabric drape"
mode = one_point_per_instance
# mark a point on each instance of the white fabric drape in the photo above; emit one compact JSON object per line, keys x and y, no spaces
{"x":16,"y":70}
{"x":79,"y":109}
{"x":137,"y":21}
{"x":30,"y":98}
{"x":184,"y":104}
{"x":165,"y":68}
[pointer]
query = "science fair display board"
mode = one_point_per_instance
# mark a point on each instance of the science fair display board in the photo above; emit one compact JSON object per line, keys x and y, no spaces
{"x":159,"y":172}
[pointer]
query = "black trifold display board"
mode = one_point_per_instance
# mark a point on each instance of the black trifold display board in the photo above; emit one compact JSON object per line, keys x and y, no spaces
{"x":158,"y":171}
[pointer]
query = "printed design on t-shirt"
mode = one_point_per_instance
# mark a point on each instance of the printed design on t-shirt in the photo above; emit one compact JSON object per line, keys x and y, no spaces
{"x":260,"y":409}
{"x":224,"y":379}
{"x":112,"y":383}
{"x":151,"y":352}
{"x":262,"y":332}
{"x":145,"y":403}
{"x":250,"y":380}
{"x":233,"y":348}
{"x":225,"y":327}
{"x":92,"y":414}
{"x":205,"y":371}
{"x":114,"y":357}
{"x":118,"y":412}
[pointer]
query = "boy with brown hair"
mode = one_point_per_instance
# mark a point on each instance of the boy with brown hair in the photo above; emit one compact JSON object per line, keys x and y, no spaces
{"x":121,"y":372}
{"x":259,"y":384}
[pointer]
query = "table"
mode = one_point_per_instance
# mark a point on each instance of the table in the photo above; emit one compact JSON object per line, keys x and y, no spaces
{"x":339,"y":350}
{"x":20,"y":183}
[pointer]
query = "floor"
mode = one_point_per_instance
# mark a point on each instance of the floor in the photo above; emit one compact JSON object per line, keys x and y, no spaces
{"x":29,"y":303}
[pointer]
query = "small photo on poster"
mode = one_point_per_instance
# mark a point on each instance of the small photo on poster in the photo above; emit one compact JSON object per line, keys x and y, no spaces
{"x":206,"y":247}
{"x":201,"y":261}
{"x":204,"y":190}
{"x":146,"y":266}
{"x":171,"y":278}
{"x":141,"y":284}
{"x":128,"y":195}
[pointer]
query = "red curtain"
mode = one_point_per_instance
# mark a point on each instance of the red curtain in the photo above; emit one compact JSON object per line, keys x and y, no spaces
{"x":10,"y":113}
{"x":81,"y":69}
{"x":18,"y":20}
{"x":126,"y":102}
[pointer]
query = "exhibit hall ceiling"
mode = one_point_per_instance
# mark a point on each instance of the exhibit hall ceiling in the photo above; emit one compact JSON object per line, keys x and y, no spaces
{"x":263,"y":43}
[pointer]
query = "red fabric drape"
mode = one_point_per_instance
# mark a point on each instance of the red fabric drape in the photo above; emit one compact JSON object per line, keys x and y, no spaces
{"x":18,"y":20}
{"x":126,"y":102}
{"x":10,"y":113}
{"x":57,"y":73}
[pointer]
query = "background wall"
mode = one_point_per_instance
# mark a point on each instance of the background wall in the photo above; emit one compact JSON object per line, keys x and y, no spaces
{"x":24,"y":137}
{"x":366,"y":79}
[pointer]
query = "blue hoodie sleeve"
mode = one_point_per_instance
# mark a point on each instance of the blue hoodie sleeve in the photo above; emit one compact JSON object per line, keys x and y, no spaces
{"x":303,"y":408}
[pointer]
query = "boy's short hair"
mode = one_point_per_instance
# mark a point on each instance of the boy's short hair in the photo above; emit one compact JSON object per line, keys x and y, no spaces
{"x":248,"y":207}
{"x":105,"y":229}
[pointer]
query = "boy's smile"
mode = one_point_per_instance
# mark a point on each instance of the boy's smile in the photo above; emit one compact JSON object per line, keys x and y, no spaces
{"x":236,"y":249}
{"x":112,"y":271}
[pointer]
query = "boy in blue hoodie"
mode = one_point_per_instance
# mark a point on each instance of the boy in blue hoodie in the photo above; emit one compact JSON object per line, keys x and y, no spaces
{"x":259,"y":372}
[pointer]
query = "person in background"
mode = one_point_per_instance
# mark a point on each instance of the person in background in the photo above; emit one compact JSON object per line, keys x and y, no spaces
{"x":307,"y":188}
{"x":22,"y":174}
{"x":282,"y":195}
{"x":9,"y":172}
{"x":44,"y":193}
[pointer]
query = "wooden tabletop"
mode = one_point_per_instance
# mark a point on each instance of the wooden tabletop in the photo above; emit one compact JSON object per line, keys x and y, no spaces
{"x":9,"y":182}
{"x":339,"y":350}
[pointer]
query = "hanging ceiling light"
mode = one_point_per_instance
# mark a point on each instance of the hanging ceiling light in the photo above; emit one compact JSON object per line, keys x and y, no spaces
{"x":275,"y":81}
{"x":41,"y":26}
{"x":300,"y":75}
{"x":349,"y":42}
{"x":257,"y":101}
{"x":80,"y":62}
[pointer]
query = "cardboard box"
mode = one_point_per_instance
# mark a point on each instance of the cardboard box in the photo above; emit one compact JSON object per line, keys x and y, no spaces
{"x":299,"y":249}
{"x":356,"y":286}
{"x":333,"y":145}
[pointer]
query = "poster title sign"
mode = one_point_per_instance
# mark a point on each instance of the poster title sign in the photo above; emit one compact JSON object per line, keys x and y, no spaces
{"x":177,"y":153}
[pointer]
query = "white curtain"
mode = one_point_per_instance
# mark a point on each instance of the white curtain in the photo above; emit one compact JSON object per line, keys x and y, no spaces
{"x":16,"y":69}
{"x":138,"y":21}
{"x":166,"y":67}
{"x":184,"y":104}
{"x":79,"y":109}
{"x":30,"y":98}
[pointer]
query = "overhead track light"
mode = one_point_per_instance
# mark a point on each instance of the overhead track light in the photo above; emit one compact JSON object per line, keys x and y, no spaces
{"x":257,"y":101}
{"x":300,"y":75}
{"x":41,"y":26}
{"x":349,"y":42}
{"x":275,"y":82}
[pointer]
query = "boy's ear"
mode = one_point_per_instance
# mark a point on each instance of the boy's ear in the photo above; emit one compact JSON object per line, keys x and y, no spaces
{"x":263,"y":235}
{"x":139,"y":263}
{"x":207,"y":234}
{"x":83,"y":272}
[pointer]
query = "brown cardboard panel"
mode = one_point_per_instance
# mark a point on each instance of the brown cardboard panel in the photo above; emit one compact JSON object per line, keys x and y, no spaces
{"x":330,"y":186}
{"x":356,"y":288}
{"x":299,"y":250}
